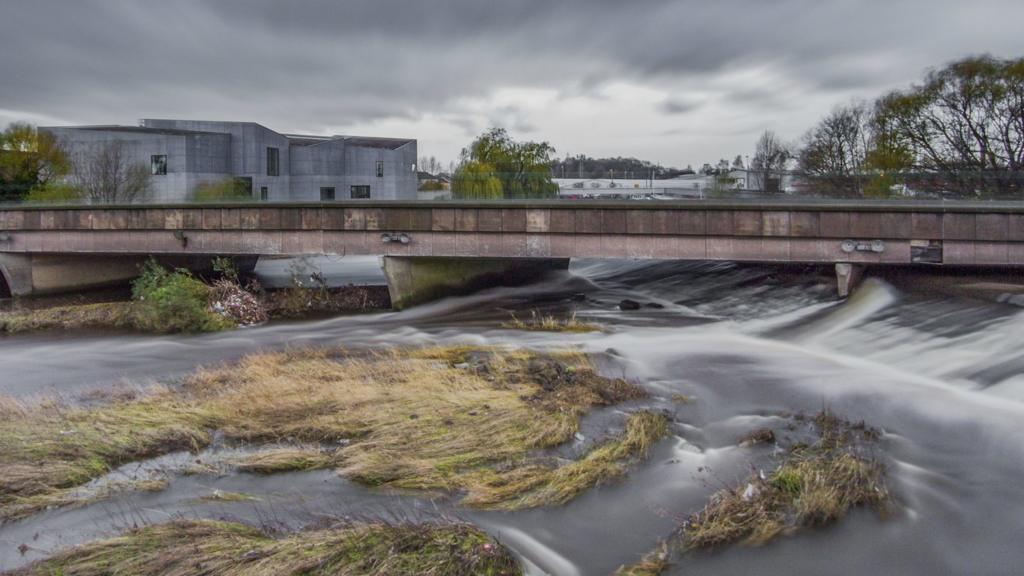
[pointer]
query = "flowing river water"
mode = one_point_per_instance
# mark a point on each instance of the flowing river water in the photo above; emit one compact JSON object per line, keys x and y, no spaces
{"x":941,"y":375}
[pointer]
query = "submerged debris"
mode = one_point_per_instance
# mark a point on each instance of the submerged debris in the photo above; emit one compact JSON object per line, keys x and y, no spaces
{"x":228,"y":549}
{"x":230,"y":300}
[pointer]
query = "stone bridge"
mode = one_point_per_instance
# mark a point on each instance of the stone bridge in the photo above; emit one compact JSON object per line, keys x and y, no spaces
{"x":435,"y":248}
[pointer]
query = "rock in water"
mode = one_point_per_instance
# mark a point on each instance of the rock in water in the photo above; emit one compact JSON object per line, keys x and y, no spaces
{"x":628,"y":304}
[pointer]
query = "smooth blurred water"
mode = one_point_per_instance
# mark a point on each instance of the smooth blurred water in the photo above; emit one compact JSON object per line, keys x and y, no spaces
{"x":942,"y":376}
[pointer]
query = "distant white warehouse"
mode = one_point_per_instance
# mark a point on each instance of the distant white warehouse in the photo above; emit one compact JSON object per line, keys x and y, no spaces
{"x":182,"y":155}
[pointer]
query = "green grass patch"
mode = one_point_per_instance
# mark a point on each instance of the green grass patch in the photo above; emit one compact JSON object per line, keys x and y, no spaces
{"x":184,"y":548}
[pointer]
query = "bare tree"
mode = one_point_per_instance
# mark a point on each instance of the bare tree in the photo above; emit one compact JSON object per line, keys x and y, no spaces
{"x":835,"y":152}
{"x":105,"y":173}
{"x":963,"y":129}
{"x":770,"y":157}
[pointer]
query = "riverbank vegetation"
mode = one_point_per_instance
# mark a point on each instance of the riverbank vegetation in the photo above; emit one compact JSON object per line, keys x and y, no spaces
{"x":174,"y":301}
{"x":230,"y":549}
{"x":454,"y":420}
{"x":168,"y":301}
{"x":70,"y":317}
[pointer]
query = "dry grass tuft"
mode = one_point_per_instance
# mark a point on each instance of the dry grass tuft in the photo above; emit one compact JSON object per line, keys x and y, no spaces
{"x":286,"y":459}
{"x":72,"y":317}
{"x":816,"y":485}
{"x":549,"y":323}
{"x":184,"y":548}
{"x":426,"y":419}
{"x":535,"y":485}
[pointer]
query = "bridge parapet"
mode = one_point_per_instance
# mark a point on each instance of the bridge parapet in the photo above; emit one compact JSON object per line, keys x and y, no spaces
{"x":965,"y":233}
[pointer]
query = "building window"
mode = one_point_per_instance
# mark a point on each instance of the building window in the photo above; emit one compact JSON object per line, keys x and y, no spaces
{"x":326,"y":194}
{"x":264,"y":193}
{"x":273,"y":165}
{"x":158,"y":165}
{"x":360,"y":192}
{"x":380,"y":169}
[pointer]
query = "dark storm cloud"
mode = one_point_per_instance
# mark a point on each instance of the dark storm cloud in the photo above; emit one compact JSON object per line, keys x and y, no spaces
{"x":304,"y":65}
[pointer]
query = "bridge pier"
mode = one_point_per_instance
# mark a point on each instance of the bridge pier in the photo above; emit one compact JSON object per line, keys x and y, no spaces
{"x":15,"y":275}
{"x":416,"y":280}
{"x":848,"y":277}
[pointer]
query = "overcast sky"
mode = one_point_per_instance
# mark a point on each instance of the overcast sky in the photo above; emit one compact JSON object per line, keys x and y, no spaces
{"x":676,"y":82}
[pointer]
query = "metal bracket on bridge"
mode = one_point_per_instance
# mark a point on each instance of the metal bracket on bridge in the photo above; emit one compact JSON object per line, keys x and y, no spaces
{"x":181,"y":237}
{"x":849,"y":246}
{"x":389,"y":237}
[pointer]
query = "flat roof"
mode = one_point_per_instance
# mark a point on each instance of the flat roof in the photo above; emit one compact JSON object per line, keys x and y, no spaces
{"x":137,"y":129}
{"x":364,"y":141}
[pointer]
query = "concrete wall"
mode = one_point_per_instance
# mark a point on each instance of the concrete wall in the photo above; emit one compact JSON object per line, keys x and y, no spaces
{"x":399,"y":181}
{"x":318,"y":165}
{"x":248,"y":158}
{"x":191,"y":158}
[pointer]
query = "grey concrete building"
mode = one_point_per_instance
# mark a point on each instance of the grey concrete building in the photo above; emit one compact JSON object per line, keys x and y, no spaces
{"x":184,"y":154}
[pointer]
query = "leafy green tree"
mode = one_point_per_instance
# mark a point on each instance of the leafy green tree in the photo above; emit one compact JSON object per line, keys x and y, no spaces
{"x":476,"y":181}
{"x":522,"y":169}
{"x":29,"y":160}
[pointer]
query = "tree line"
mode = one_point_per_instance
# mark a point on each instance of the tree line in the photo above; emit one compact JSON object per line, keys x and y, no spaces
{"x":959,"y":134}
{"x":619,"y":167}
